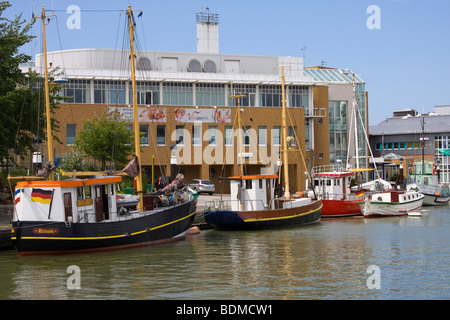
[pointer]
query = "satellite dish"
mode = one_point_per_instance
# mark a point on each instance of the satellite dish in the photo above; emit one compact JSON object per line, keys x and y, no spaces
{"x":144,"y":64}
{"x":194,"y":66}
{"x":209,"y":66}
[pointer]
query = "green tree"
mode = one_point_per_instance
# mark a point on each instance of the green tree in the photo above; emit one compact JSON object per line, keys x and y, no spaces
{"x":22,"y":100}
{"x":106,"y":139}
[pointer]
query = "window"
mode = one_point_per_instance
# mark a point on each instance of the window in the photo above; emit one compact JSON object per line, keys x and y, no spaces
{"x":246,"y":136}
{"x":208,"y":94}
{"x":143,"y":131}
{"x":270,"y":96}
{"x":228,"y":135}
{"x":276,"y":135}
{"x":291,"y":133}
{"x":109,"y":92}
{"x":249,"y":91}
{"x":71,"y":133}
{"x":177,"y":94}
{"x":196,"y":135}
{"x":78,"y":91}
{"x":161,"y":135}
{"x":298,"y":97}
{"x":147,"y":92}
{"x":212,"y":135}
{"x":179,"y":135}
{"x":262,"y":135}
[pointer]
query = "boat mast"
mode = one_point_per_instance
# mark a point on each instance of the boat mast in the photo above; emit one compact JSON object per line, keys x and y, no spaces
{"x":137,"y":147}
{"x":284,"y":137}
{"x":47,"y":93}
{"x":238,"y":97}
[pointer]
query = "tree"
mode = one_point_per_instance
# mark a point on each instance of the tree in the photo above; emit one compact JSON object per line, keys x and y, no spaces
{"x":106,"y":139}
{"x":22,"y":101}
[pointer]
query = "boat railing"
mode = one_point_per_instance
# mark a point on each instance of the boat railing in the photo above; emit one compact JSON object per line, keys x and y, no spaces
{"x":220,"y":205}
{"x":328,"y":168}
{"x":340,"y":196}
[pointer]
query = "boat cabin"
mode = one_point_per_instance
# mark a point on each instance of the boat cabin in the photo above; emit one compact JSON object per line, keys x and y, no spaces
{"x":332,"y":184}
{"x":73,"y":200}
{"x":250,"y":193}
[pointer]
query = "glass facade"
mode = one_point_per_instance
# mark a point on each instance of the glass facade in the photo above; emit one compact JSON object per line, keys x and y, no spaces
{"x":109,"y":92}
{"x":337,"y":115}
{"x":177,"y":94}
{"x":77,"y":91}
{"x":209,"y":94}
{"x":242,"y":89}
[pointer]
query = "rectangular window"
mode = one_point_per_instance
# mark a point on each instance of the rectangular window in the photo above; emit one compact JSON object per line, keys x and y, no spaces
{"x":179,"y":135}
{"x":143,"y":130}
{"x":228,"y":135}
{"x":71,"y":133}
{"x":291,"y":133}
{"x":270,"y":96}
{"x":109,"y":92}
{"x":177,"y":94}
{"x":246,"y":136}
{"x":77,"y":91}
{"x":247,"y":90}
{"x":212,"y":135}
{"x":276,"y":135}
{"x":196,"y":135}
{"x":209,"y":94}
{"x":262,"y":135}
{"x":161,"y":135}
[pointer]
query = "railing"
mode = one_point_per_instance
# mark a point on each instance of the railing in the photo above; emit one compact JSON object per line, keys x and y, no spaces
{"x":328,"y":168}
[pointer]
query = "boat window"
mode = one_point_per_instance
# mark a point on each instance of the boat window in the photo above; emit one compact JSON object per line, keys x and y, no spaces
{"x":260,"y":183}
{"x":111,"y":186}
{"x":87,"y":191}
{"x":328,"y":182}
{"x":316,"y":183}
{"x":248,"y":184}
{"x":80,"y":192}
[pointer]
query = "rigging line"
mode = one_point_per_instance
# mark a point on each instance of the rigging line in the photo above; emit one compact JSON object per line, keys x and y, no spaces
{"x":60,"y":44}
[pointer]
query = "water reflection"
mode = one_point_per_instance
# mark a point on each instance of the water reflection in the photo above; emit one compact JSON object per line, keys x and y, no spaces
{"x":323,"y":261}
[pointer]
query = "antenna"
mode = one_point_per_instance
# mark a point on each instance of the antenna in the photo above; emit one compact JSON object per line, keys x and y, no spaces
{"x":322,"y":63}
{"x":304,"y":54}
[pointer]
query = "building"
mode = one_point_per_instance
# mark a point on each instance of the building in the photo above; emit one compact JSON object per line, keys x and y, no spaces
{"x":188,"y":100}
{"x":413,"y":137}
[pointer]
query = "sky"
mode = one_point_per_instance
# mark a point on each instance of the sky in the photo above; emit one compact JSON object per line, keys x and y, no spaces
{"x":400,"y":49}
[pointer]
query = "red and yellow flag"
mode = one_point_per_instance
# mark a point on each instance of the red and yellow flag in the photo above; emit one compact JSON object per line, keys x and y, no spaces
{"x":41,"y":195}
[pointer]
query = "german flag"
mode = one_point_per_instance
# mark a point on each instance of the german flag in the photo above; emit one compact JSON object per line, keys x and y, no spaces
{"x":41,"y":195}
{"x":359,"y":193}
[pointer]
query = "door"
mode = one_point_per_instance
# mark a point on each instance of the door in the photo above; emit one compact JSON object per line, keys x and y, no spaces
{"x":67,"y":205}
{"x":99,"y":203}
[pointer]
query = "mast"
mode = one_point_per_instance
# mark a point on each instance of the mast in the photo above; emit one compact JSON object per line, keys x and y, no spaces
{"x":47,"y":93}
{"x":284,"y":137}
{"x":137,"y":146}
{"x":238,"y":98}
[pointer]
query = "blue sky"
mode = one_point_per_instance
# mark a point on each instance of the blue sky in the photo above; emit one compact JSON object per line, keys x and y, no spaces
{"x":405,"y":63}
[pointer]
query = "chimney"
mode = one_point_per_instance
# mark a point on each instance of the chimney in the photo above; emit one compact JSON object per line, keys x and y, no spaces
{"x":207,"y":32}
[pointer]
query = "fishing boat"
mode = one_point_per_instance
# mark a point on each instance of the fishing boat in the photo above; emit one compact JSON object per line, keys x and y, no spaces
{"x":332,"y":184}
{"x":391,"y":203}
{"x":84,"y":213}
{"x":424,"y":178}
{"x":253,"y":203}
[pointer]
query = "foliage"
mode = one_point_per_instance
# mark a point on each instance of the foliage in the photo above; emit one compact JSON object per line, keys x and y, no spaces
{"x":106,"y":139}
{"x":22,"y":101}
{"x":74,"y":160}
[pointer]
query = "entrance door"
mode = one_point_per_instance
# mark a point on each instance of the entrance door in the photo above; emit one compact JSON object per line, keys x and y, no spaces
{"x":67,"y":205}
{"x":99,"y":203}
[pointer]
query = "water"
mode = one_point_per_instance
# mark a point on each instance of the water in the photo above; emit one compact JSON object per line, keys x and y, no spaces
{"x":328,"y":260}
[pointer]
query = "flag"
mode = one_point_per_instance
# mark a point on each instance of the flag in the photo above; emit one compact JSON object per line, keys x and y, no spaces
{"x":359,"y":193}
{"x":41,"y":195}
{"x":17,"y":196}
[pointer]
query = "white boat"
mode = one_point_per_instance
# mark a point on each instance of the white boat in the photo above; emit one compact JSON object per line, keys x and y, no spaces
{"x":391,"y":203}
{"x":424,"y":178}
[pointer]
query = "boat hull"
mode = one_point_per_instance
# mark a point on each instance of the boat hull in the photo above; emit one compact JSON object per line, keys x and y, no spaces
{"x":389,"y":208}
{"x":340,"y":208}
{"x":264,"y":219}
{"x":34,"y":237}
{"x":435,"y":200}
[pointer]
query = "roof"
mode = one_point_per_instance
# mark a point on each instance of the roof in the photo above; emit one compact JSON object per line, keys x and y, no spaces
{"x":411,"y":125}
{"x":332,"y":75}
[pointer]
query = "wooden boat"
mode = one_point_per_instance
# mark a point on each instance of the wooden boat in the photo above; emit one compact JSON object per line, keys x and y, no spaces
{"x":332,"y":184}
{"x":391,"y":203}
{"x":253,"y":204}
{"x":83,"y":213}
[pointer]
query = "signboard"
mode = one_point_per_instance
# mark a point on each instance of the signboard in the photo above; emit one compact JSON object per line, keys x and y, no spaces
{"x":144,"y":114}
{"x":183,"y":115}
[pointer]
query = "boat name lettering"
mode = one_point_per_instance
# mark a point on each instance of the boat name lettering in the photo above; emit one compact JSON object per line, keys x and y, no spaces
{"x":45,"y":230}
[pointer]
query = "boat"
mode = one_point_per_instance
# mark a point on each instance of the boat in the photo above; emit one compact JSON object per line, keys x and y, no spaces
{"x":391,"y":203}
{"x":332,"y":184}
{"x":85,"y":213}
{"x":424,"y":177}
{"x":254,"y":204}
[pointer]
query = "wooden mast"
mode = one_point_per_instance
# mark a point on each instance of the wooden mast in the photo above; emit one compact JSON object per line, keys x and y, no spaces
{"x":238,"y":97}
{"x":47,"y":93}
{"x":137,"y":147}
{"x":284,"y":135}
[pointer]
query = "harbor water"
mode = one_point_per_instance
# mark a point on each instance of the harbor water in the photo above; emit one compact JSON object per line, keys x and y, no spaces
{"x":352,"y":258}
